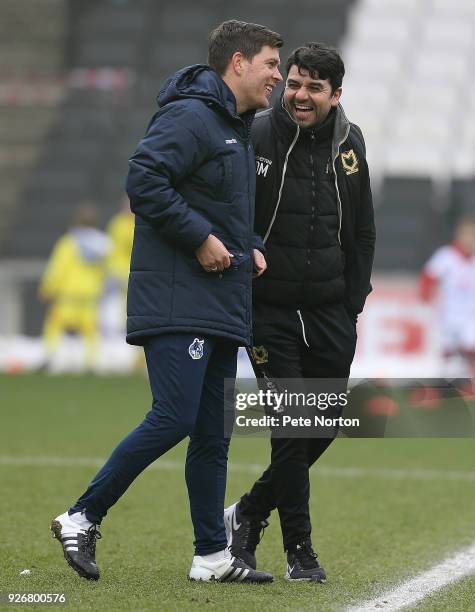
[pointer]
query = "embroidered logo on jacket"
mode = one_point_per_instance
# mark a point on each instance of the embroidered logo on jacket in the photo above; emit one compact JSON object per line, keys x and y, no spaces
{"x":349,"y":162}
{"x":262,"y":165}
{"x":231,"y":141}
{"x":196,"y":349}
{"x":260,"y":354}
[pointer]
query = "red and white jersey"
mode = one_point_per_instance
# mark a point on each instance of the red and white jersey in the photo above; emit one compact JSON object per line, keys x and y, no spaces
{"x":453,"y":272}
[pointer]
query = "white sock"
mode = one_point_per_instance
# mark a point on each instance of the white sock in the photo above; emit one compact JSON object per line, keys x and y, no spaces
{"x":80,"y":519}
{"x":221,"y":555}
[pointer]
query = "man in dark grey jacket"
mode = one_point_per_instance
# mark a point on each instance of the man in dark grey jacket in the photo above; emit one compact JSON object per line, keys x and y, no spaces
{"x":314,"y":211}
{"x":191,"y":185}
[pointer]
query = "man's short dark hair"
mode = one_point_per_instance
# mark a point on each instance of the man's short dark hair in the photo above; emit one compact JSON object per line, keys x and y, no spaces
{"x":233,"y":36}
{"x":320,"y":60}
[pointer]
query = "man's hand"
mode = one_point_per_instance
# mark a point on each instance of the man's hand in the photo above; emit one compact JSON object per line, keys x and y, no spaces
{"x":213,"y":255}
{"x":260,"y":264}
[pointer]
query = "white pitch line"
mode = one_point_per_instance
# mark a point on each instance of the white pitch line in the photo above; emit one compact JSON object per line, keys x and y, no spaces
{"x":452,"y":569}
{"x":399,"y":474}
{"x":250,"y":468}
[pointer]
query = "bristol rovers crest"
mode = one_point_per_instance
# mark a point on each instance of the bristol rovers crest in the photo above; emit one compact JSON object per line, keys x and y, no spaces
{"x":196,"y":349}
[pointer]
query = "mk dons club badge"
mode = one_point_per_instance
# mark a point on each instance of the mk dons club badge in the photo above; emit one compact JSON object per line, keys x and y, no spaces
{"x":260,"y":355}
{"x":349,"y":162}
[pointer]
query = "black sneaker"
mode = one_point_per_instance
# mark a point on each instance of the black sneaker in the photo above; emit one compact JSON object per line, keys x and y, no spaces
{"x":243,"y":534}
{"x":302,"y":563}
{"x":78,"y":537}
{"x":229,"y":569}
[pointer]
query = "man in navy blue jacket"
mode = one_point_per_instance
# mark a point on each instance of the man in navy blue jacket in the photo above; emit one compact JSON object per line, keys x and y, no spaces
{"x":191,"y":185}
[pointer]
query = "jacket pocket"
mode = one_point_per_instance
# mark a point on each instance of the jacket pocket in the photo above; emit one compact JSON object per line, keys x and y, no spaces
{"x":239,"y":263}
{"x":239,"y":259}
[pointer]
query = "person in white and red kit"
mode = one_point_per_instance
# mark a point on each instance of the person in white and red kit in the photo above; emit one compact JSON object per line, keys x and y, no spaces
{"x":449,"y":275}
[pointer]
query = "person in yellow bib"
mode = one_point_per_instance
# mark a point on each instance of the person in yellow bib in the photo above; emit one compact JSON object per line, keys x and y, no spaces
{"x":113,"y":308}
{"x":73,"y":283}
{"x":121,"y":232}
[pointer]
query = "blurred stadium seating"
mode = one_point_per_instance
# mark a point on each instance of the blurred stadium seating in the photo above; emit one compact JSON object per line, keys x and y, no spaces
{"x":78,"y":80}
{"x":416,"y":57}
{"x":407,"y":85}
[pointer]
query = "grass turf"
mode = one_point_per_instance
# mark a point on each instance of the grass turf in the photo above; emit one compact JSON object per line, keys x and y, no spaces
{"x":371,"y":531}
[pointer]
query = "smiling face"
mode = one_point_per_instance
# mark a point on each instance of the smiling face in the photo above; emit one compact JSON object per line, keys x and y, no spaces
{"x":307,"y":99}
{"x":258,"y":78}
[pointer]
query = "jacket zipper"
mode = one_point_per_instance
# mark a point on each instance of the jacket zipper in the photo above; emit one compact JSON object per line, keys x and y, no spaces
{"x":314,"y":193}
{"x":340,"y":212}
{"x":303,"y":329}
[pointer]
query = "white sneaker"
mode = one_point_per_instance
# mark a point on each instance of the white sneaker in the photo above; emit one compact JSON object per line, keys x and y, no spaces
{"x":78,"y":538}
{"x":228,"y":569}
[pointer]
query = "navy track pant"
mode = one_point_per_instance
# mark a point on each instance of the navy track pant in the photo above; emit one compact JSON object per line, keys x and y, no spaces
{"x":186,"y":378}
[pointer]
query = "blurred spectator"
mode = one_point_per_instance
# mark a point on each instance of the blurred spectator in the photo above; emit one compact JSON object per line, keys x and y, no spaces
{"x":450,"y":273}
{"x":73,"y":283}
{"x":121,"y":233}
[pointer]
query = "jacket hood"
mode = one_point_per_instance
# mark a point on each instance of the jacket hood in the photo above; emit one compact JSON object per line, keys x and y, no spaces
{"x":201,"y":82}
{"x":340,"y":131}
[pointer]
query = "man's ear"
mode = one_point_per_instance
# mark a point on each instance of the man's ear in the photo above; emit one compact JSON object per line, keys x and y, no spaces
{"x":237,"y":63}
{"x":336,"y":96}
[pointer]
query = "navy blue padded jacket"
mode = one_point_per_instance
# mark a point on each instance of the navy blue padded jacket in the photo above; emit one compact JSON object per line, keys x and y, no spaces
{"x":193,"y":174}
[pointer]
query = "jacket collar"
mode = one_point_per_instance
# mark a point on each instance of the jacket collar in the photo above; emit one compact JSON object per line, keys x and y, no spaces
{"x":322,"y":131}
{"x":340,"y":131}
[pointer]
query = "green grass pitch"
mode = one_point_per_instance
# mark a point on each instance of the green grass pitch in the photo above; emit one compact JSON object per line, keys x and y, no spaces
{"x":371,"y":530}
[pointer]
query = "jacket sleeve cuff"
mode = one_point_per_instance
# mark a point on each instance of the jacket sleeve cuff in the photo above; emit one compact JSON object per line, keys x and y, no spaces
{"x":257,"y":243}
{"x":196,"y":235}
